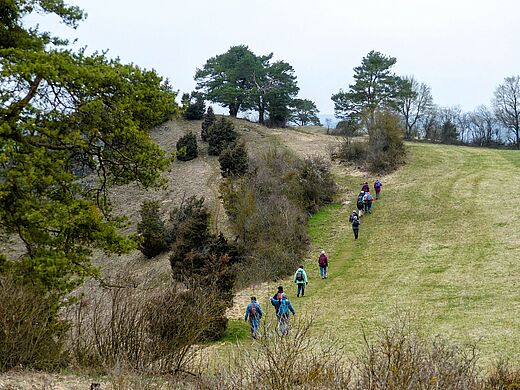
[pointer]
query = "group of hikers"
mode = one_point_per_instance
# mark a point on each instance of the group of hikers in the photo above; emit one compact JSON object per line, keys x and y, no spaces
{"x":364,"y":205}
{"x":279,"y":300}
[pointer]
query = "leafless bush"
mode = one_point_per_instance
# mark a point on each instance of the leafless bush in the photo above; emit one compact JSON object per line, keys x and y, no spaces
{"x":295,"y":360}
{"x":401,"y":359}
{"x":350,"y":151}
{"x":31,"y":335}
{"x":147,"y":331}
{"x":503,"y":375}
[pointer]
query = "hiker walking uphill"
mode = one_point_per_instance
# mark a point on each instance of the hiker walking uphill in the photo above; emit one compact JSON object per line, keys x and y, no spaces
{"x":323,"y":263}
{"x":365,"y":187}
{"x":355,"y":226}
{"x":367,"y":202}
{"x":300,"y":278}
{"x":276,"y":297}
{"x":253,"y":313}
{"x":283,"y":307}
{"x":359,"y":203}
{"x":377,"y":188}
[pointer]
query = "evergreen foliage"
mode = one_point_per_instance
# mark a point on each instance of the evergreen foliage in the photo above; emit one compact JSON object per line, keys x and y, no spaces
{"x":208,"y":120}
{"x":220,"y":135}
{"x":187,"y":147}
{"x":304,"y":112}
{"x":385,"y":146}
{"x":233,"y":160}
{"x":200,"y":258}
{"x":152,"y":230}
{"x":193,"y":106}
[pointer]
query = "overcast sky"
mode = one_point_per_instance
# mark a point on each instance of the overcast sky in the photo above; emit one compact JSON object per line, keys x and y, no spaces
{"x":461,"y":48}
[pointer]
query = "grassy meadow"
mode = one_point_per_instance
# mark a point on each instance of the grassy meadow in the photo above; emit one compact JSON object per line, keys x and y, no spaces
{"x":442,"y":244}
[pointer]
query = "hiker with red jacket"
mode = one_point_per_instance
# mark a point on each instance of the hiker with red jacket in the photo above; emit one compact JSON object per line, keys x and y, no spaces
{"x":365,"y":187}
{"x":300,"y":278}
{"x":323,"y":262}
{"x":377,"y":188}
{"x":253,"y":313}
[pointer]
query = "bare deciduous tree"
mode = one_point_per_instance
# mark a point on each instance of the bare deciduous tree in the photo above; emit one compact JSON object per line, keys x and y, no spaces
{"x":414,"y":103}
{"x":507,"y":106}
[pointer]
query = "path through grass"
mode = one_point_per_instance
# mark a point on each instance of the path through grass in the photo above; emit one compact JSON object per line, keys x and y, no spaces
{"x":442,"y":243}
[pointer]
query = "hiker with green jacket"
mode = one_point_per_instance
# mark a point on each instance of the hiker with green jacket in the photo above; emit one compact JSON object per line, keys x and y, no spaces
{"x":300,"y":278}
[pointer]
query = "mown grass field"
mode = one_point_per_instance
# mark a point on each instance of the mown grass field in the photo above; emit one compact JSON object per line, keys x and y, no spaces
{"x":443,"y":244}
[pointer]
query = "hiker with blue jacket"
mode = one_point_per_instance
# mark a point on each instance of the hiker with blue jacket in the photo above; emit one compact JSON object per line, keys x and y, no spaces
{"x":253,"y":313}
{"x":367,"y":201}
{"x":283,"y":307}
{"x":300,"y":278}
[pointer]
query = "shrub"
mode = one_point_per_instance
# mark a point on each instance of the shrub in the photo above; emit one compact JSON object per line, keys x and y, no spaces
{"x":233,"y":160}
{"x":31,"y":334}
{"x":400,"y":359}
{"x":385,"y":146}
{"x":317,"y":183}
{"x":349,"y":151}
{"x":220,"y":135}
{"x":187,"y":147}
{"x":151,"y":331}
{"x":152,"y":230}
{"x":200,"y":259}
{"x":208,"y":120}
{"x":194,"y":106}
{"x":273,"y":361}
{"x":266,"y":214}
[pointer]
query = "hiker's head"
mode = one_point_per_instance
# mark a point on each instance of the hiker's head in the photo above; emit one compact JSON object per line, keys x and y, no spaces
{"x":284,"y":296}
{"x":301,"y":266}
{"x":253,"y":299}
{"x":322,"y":253}
{"x":280,"y":289}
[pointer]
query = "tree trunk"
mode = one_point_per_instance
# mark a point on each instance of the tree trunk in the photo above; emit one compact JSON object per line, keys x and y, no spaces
{"x":233,"y":110}
{"x":261,"y":112}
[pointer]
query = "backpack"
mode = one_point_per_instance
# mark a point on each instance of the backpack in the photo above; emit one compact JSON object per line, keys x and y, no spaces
{"x":279,"y":295}
{"x":377,"y":184}
{"x":252,"y":310}
{"x":322,"y":261}
{"x":299,"y":275}
{"x":369,"y":198}
{"x":355,"y":223}
{"x":360,"y":198}
{"x":284,"y":307}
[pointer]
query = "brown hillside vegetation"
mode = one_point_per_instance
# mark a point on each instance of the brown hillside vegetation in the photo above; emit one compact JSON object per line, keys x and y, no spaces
{"x":200,"y":177}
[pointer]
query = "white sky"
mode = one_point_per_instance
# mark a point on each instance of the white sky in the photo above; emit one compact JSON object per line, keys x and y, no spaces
{"x":461,"y":48}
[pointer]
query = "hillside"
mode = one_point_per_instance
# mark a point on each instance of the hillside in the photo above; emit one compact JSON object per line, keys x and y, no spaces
{"x":442,"y":244}
{"x":198,"y":177}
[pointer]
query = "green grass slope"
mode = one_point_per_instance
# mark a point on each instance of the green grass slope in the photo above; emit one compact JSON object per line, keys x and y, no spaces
{"x":443,"y":243}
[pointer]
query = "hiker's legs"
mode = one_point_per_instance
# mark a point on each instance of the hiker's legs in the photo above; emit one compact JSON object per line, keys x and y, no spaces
{"x":356,"y":232}
{"x":377,"y":194}
{"x":325,"y":271}
{"x":369,"y":205}
{"x":301,"y":289}
{"x":322,"y":271}
{"x":284,"y":324}
{"x":254,"y":326}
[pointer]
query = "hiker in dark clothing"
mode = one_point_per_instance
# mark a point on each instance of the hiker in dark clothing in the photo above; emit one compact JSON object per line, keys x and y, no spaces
{"x":300,"y":278}
{"x":359,"y":203}
{"x":353,"y":215}
{"x":377,"y":188}
{"x":365,"y":187}
{"x":253,"y":313}
{"x":355,"y":227}
{"x":323,"y":262}
{"x":283,"y":307}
